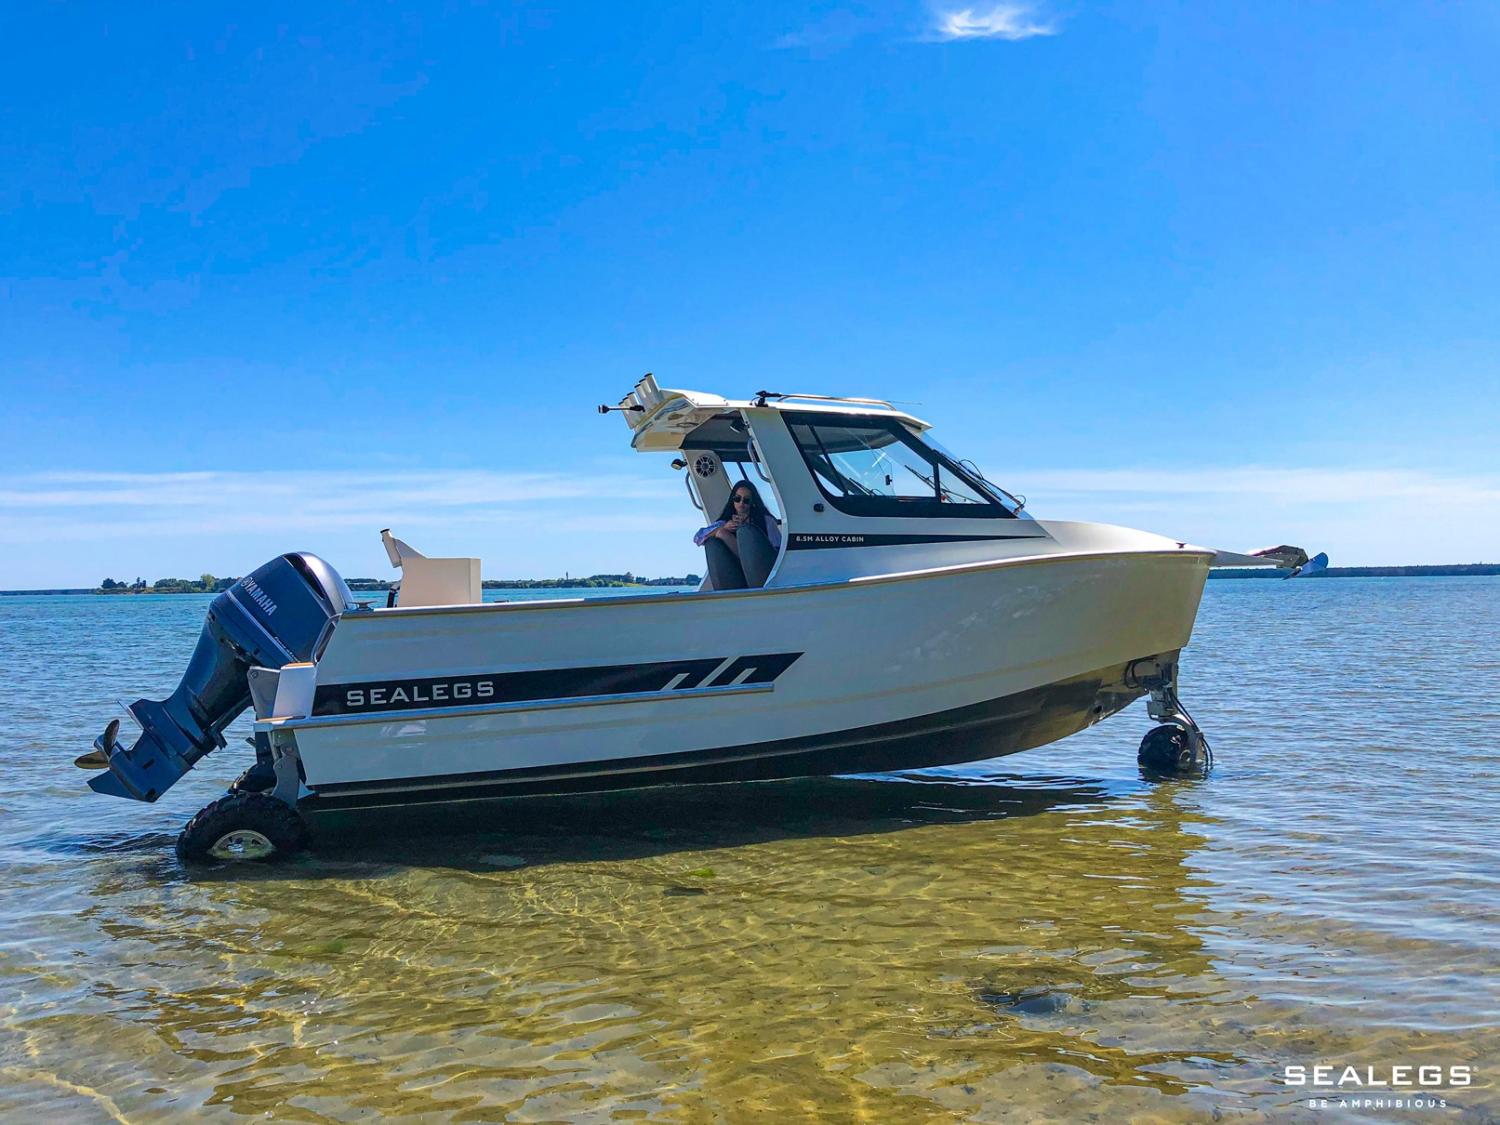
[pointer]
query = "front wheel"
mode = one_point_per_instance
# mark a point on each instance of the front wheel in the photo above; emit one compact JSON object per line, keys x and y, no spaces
{"x":1168,"y":751}
{"x":242,"y":826}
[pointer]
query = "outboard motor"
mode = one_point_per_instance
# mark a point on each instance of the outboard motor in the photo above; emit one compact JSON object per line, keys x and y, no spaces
{"x":280,"y":614}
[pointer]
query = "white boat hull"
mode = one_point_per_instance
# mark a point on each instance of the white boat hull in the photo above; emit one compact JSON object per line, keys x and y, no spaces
{"x":889,"y":672}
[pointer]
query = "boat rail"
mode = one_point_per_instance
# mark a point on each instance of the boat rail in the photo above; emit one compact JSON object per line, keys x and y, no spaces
{"x":761,"y":398}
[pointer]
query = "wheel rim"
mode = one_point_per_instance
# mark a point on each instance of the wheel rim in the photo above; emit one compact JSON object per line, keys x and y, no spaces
{"x":242,"y":843}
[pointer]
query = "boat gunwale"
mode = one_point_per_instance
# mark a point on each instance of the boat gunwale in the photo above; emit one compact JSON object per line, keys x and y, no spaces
{"x":769,"y":591}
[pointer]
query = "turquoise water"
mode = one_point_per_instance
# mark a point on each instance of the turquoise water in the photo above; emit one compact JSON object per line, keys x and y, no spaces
{"x":1047,"y":936}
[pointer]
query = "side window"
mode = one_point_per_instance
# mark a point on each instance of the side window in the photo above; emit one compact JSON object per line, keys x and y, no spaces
{"x":876,"y":467}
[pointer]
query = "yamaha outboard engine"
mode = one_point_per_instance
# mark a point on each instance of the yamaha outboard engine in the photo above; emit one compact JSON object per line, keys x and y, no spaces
{"x":280,"y":614}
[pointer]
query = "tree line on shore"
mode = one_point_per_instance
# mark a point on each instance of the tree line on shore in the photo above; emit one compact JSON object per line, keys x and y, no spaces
{"x":203,"y":584}
{"x":592,"y":582}
{"x":209,"y":584}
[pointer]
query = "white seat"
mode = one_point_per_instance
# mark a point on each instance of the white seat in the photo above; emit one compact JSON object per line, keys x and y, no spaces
{"x":426,"y":581}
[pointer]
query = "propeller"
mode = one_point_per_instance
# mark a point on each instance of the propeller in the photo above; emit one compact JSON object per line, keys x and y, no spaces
{"x":98,"y":757}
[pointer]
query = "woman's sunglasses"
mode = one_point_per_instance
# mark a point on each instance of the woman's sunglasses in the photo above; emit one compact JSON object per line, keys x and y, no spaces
{"x":741,"y":499}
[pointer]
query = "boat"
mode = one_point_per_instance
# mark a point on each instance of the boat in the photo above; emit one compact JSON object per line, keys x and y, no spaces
{"x":916,"y":615}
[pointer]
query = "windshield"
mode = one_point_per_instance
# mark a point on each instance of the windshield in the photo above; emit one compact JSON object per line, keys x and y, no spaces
{"x":876,"y":466}
{"x":1011,"y":501}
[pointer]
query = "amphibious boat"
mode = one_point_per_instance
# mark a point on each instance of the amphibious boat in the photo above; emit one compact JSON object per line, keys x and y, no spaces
{"x":916,"y":615}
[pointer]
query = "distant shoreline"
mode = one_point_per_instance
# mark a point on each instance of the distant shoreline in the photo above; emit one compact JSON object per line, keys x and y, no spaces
{"x":208,"y":584}
{"x":1445,"y":570}
{"x":616,"y":581}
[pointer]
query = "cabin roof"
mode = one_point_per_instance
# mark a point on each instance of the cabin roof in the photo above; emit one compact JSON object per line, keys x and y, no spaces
{"x":661,"y":418}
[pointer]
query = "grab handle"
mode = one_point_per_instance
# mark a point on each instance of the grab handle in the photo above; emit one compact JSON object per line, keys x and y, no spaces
{"x":754,"y":460}
{"x":693,"y":496}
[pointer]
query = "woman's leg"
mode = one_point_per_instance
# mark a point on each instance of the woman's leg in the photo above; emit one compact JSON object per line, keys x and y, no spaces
{"x":757,"y":556}
{"x":724,"y":570}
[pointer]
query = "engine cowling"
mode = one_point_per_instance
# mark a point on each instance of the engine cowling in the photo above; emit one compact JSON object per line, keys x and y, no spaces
{"x":282,"y":613}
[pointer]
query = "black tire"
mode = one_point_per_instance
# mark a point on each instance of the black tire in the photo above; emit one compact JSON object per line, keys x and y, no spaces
{"x":242,"y":826}
{"x":1168,"y":750}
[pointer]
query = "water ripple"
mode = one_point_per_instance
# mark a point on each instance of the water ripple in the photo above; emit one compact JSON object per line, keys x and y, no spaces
{"x":1038,"y":938}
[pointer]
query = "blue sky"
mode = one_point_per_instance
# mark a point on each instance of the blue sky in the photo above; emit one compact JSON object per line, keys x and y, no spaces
{"x":278,"y":278}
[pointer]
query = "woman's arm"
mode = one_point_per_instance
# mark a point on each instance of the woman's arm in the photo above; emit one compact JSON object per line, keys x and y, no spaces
{"x":704,"y":534}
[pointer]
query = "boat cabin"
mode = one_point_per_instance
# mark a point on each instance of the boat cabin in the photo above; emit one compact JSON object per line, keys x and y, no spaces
{"x":859,"y":487}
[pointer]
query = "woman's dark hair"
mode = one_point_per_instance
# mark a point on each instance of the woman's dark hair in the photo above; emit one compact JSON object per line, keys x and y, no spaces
{"x":758,"y":512}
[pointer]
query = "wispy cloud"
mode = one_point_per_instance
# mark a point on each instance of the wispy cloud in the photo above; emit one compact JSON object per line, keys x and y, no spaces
{"x":938,"y":22}
{"x":833,"y":31}
{"x":78,"y":505}
{"x":996,"y":21}
{"x":70,"y":528}
{"x":257,"y":500}
{"x":1394,"y":489}
{"x":1359,"y":516}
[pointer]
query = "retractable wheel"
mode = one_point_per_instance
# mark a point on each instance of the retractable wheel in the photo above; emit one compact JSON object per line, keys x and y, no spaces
{"x":1170,"y":750}
{"x":242,"y":826}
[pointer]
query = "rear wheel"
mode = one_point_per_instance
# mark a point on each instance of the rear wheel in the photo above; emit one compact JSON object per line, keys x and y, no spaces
{"x":242,"y":826}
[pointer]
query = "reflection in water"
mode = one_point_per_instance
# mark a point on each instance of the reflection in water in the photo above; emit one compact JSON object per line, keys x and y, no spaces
{"x":1047,"y":937}
{"x":771,"y":947}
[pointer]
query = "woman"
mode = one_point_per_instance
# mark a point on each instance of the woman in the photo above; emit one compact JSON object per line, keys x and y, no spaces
{"x":741,"y":545}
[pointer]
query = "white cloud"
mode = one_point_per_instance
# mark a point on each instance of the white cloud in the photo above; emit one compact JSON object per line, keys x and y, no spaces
{"x":333,"y":495}
{"x":1385,"y":516}
{"x":841,"y":27}
{"x":59,"y":529}
{"x":1391,"y":488}
{"x":72,"y":528}
{"x":837,"y":29}
{"x":997,"y":21}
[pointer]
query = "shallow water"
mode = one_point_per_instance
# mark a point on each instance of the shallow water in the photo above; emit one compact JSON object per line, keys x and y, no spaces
{"x":1043,"y":937}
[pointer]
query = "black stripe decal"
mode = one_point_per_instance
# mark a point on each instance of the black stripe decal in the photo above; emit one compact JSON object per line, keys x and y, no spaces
{"x":763,"y":669}
{"x":809,"y":542}
{"x":539,"y":684}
